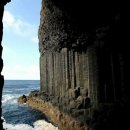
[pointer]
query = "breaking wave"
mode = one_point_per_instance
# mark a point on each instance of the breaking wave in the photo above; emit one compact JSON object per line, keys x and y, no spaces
{"x":38,"y":125}
{"x":21,"y":117}
{"x":9,"y":98}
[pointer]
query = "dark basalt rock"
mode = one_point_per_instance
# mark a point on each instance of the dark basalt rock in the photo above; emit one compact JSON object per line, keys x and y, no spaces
{"x":22,"y":99}
{"x":82,"y":61}
{"x":34,"y":93}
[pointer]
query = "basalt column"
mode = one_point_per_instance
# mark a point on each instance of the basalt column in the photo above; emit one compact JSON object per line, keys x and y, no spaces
{"x":82,"y":62}
{"x":2,"y":4}
{"x":68,"y":67}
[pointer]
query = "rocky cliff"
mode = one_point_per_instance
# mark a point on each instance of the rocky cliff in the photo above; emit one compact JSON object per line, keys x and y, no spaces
{"x":82,"y":63}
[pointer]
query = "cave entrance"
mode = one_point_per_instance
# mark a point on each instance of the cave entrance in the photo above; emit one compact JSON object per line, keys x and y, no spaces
{"x":21,"y":61}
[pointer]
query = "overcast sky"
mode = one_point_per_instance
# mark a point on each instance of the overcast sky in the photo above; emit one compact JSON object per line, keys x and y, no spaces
{"x":20,"y":39}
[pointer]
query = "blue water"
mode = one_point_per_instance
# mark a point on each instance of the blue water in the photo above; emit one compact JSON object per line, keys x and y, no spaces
{"x":15,"y":114}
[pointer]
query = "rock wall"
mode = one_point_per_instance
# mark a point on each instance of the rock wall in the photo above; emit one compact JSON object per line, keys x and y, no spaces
{"x":83,"y":65}
{"x":2,"y":4}
{"x":82,"y":62}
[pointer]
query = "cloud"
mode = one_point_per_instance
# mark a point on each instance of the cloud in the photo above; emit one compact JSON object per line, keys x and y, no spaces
{"x":8,"y":19}
{"x":19,"y":27}
{"x":21,"y":72}
{"x":13,"y":70}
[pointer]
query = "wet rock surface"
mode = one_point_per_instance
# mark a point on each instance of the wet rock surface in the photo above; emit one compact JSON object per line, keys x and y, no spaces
{"x":59,"y":118}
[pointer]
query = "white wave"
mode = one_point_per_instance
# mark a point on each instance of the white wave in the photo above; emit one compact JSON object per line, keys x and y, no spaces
{"x":9,"y":98}
{"x":17,"y":127}
{"x":3,"y":118}
{"x":38,"y":125}
{"x":43,"y":125}
{"x":7,"y":91}
{"x":20,"y":89}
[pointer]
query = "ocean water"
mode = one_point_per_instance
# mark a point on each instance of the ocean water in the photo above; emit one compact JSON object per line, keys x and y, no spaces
{"x":21,"y":117}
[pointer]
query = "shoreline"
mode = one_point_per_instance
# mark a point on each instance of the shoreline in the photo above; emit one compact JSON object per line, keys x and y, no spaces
{"x":59,"y":119}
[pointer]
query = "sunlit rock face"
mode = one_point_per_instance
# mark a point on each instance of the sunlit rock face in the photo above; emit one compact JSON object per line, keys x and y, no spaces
{"x":83,"y":66}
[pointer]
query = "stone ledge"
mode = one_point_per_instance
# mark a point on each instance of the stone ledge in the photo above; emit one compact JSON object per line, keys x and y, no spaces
{"x":61,"y":119}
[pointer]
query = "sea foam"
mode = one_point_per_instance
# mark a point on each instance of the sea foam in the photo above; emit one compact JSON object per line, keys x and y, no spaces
{"x":38,"y":125}
{"x":9,"y":98}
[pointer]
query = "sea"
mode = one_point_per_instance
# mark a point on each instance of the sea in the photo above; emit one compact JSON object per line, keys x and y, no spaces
{"x":19,"y":116}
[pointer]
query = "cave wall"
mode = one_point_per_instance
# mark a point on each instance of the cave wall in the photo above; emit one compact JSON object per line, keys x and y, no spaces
{"x":80,"y":52}
{"x":68,"y":63}
{"x":82,"y":62}
{"x":2,"y":4}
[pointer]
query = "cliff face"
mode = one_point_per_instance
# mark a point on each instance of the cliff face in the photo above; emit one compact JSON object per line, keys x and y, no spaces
{"x":82,"y":62}
{"x":83,"y":66}
{"x":69,"y":45}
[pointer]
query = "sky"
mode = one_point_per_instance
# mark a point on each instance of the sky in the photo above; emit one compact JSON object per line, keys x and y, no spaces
{"x":20,"y":40}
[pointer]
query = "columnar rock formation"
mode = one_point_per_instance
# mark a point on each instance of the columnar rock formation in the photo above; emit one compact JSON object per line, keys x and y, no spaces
{"x":83,"y":66}
{"x":82,"y":62}
{"x":2,"y":4}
